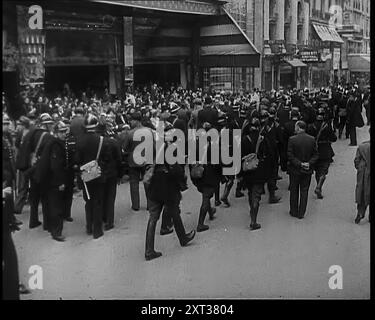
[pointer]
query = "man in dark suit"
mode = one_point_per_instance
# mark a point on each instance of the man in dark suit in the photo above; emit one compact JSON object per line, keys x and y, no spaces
{"x":136,"y":170}
{"x":354,"y":116}
{"x":302,"y":155}
{"x":208,"y":114}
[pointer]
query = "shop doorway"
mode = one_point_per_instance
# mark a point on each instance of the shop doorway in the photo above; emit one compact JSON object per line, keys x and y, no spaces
{"x":80,"y":79}
{"x":162,"y":74}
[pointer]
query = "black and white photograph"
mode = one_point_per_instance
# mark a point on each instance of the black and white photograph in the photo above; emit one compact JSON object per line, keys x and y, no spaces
{"x":213,"y":150}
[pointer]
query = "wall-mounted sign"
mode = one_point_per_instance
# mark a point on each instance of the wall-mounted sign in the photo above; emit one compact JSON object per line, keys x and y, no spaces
{"x":309,"y":56}
{"x":326,"y":55}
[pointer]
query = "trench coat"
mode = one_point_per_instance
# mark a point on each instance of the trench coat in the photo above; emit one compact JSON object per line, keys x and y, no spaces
{"x":362,"y":164}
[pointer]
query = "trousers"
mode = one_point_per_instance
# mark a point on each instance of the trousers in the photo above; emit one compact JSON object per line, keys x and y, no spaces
{"x":23,"y":191}
{"x":135,"y":176}
{"x":109,"y":197}
{"x":37,"y":193}
{"x":55,"y":211}
{"x":94,"y":208}
{"x":299,"y":191}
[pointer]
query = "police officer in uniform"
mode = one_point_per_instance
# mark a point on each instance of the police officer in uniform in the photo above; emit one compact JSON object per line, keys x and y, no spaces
{"x":86,"y":150}
{"x":36,"y":191}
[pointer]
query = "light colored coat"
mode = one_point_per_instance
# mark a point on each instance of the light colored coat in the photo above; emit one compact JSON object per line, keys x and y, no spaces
{"x":362,"y":164}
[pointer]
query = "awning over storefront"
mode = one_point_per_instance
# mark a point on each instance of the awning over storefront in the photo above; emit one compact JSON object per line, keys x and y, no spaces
{"x":327,"y":33}
{"x":178,"y":6}
{"x":224,"y":44}
{"x":359,"y":63}
{"x":295,"y":63}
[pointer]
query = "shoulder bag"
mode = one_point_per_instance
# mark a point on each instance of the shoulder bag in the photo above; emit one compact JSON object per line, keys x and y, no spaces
{"x":92,"y":170}
{"x":251,"y":161}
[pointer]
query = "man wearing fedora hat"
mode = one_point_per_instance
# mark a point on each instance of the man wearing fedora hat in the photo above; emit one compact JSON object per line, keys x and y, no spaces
{"x":136,"y":171}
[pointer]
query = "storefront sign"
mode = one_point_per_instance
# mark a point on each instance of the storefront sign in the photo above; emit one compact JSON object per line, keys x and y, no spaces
{"x":326,"y":55}
{"x":336,"y":58}
{"x":309,"y":56}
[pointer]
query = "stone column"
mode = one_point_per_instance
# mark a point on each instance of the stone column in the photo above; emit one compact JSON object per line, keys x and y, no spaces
{"x":293,"y":25}
{"x":266,"y":27}
{"x":128,"y":52}
{"x":306,"y":22}
{"x":280,"y":23}
{"x":183,"y":77}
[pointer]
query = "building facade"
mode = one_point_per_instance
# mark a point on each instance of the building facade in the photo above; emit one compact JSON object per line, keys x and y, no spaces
{"x":113,"y":45}
{"x":305,"y":43}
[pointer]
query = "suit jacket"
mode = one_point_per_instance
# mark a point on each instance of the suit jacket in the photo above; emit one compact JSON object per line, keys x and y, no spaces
{"x":207,"y":115}
{"x":77,"y":126}
{"x":86,"y":150}
{"x":129,"y":144}
{"x":301,"y":148}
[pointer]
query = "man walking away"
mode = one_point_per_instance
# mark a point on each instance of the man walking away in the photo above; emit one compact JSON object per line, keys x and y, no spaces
{"x":302,"y":155}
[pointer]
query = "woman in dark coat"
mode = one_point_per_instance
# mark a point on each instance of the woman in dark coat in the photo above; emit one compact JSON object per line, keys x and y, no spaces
{"x":9,"y":260}
{"x":362,"y":163}
{"x":255,"y":179}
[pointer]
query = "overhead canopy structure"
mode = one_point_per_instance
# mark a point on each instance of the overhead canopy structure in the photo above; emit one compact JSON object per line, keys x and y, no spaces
{"x":327,"y":33}
{"x":295,"y":63}
{"x":223,"y":43}
{"x":177,"y":6}
{"x":359,"y":63}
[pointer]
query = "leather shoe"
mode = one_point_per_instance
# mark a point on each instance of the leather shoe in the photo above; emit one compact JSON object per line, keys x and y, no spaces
{"x":135,"y":209}
{"x":153,"y":255}
{"x":108,"y":227}
{"x":358,"y":219}
{"x":59,"y":238}
{"x":274,"y":199}
{"x":226,"y":203}
{"x":22,"y":289}
{"x":35,"y":225}
{"x":318,"y":193}
{"x":69,"y":219}
{"x":239,"y":194}
{"x":190,"y":236}
{"x":165,"y":231}
{"x":255,"y":226}
{"x":217,"y":203}
{"x":202,"y":227}
{"x":211,"y":213}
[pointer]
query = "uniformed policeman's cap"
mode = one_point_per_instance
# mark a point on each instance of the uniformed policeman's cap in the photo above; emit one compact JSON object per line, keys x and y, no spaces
{"x":6,"y":119}
{"x":60,"y":127}
{"x":45,"y":118}
{"x":91,"y":121}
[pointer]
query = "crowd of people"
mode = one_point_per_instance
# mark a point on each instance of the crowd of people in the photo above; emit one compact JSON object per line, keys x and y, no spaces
{"x":49,"y":141}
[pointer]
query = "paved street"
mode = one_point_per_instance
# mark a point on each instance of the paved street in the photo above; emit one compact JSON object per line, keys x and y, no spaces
{"x":287,"y":258}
